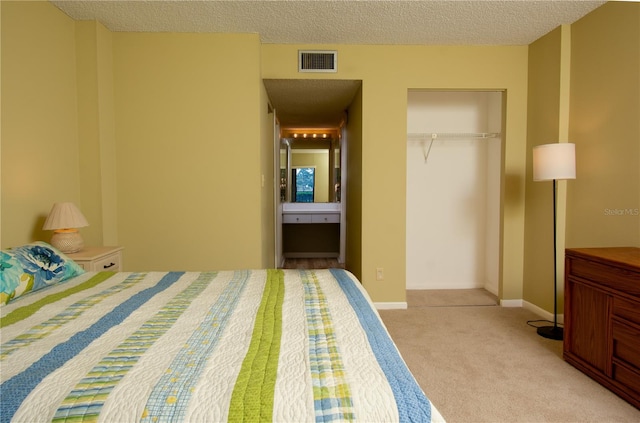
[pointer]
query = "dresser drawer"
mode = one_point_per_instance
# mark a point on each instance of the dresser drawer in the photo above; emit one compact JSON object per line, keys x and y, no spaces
{"x":627,"y":377}
{"x":99,"y":259}
{"x":606,"y":275}
{"x":627,"y":310}
{"x":110,"y":263}
{"x":626,"y":344}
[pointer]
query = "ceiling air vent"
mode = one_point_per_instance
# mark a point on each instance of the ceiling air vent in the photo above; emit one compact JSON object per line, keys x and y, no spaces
{"x":317,"y":61}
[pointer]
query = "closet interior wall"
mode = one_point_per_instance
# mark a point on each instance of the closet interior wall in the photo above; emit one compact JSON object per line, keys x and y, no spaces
{"x":453,"y":189}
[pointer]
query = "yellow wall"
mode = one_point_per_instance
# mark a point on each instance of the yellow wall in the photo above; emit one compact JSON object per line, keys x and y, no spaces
{"x":189,"y":157}
{"x":604,"y":200}
{"x":161,"y":139}
{"x":189,"y":162}
{"x":267,"y":169}
{"x":388,"y":72}
{"x":173,"y":137}
{"x":352,"y":192}
{"x":544,"y":123}
{"x":584,"y":87}
{"x":39,"y":118}
{"x":96,"y":132}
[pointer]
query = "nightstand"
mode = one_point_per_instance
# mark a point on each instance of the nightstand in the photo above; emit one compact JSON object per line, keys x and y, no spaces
{"x":97,"y":259}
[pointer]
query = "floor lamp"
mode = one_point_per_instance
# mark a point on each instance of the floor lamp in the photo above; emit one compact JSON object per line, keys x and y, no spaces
{"x":552,"y":162}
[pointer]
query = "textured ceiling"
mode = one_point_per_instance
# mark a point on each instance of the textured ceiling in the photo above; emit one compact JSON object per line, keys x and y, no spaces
{"x":481,"y":22}
{"x":429,"y":22}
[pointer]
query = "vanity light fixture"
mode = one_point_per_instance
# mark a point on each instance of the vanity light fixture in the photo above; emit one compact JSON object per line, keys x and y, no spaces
{"x":313,"y":133}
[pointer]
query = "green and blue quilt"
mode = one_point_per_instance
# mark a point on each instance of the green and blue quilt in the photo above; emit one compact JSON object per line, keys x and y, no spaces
{"x":248,"y":345}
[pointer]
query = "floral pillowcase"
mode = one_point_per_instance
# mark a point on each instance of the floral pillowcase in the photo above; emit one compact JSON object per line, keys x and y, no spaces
{"x":31,"y":267}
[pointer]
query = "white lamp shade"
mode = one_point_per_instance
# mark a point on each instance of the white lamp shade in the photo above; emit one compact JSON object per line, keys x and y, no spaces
{"x":64,"y":216}
{"x":554,"y":161}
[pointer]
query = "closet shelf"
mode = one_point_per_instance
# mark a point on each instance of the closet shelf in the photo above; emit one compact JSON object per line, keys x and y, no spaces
{"x":423,"y":137}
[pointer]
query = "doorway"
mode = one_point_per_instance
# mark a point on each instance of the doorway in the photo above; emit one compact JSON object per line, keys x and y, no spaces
{"x":312,"y":108}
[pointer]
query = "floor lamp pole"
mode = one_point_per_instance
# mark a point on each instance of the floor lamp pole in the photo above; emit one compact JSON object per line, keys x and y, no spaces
{"x":553,"y":332}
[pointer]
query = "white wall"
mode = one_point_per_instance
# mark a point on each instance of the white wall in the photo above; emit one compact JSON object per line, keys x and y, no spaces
{"x":453,"y":199}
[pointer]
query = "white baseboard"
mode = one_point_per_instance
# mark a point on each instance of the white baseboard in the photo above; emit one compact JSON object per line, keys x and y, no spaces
{"x":503,"y":303}
{"x":445,"y":285}
{"x":510,"y":303}
{"x":542,"y":312}
{"x":391,"y":305}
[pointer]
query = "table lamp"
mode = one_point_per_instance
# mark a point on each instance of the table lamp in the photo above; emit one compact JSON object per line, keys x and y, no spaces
{"x":64,"y":220}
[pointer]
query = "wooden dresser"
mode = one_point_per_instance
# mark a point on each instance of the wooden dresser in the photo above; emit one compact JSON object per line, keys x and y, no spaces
{"x":602,"y":317}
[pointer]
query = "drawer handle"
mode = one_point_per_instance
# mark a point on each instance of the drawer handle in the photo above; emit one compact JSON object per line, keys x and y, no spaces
{"x":106,"y":266}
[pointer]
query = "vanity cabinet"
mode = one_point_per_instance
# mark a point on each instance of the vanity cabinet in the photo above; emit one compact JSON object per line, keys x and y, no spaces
{"x":602,"y":317}
{"x":311,"y":231}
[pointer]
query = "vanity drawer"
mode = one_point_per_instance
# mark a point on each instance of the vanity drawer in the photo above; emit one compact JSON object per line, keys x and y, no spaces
{"x":296,"y":218}
{"x":311,"y":218}
{"x":325,"y":218}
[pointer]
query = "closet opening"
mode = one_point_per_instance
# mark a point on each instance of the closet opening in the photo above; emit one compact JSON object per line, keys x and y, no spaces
{"x":454,"y":161}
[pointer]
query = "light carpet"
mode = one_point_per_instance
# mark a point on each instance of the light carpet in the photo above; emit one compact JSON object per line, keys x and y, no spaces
{"x":485,"y":364}
{"x":450,"y":297}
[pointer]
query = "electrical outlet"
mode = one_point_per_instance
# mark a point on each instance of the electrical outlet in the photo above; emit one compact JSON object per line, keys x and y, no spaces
{"x":380,"y":274}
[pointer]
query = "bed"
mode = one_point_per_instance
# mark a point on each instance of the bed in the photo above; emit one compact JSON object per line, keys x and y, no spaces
{"x":234,"y":345}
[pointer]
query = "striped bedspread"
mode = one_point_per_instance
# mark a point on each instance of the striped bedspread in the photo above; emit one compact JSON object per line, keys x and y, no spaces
{"x":247,"y":345}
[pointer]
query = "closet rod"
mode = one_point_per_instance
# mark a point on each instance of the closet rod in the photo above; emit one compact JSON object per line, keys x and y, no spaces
{"x":447,"y":135}
{"x":453,"y":135}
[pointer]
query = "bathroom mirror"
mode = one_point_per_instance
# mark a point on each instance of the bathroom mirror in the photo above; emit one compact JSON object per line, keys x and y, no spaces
{"x":310,"y":168}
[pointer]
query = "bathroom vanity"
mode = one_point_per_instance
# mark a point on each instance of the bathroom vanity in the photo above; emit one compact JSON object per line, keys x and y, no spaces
{"x":311,"y":229}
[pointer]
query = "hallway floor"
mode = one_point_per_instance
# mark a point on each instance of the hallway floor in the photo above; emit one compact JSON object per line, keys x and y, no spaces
{"x":312,"y":263}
